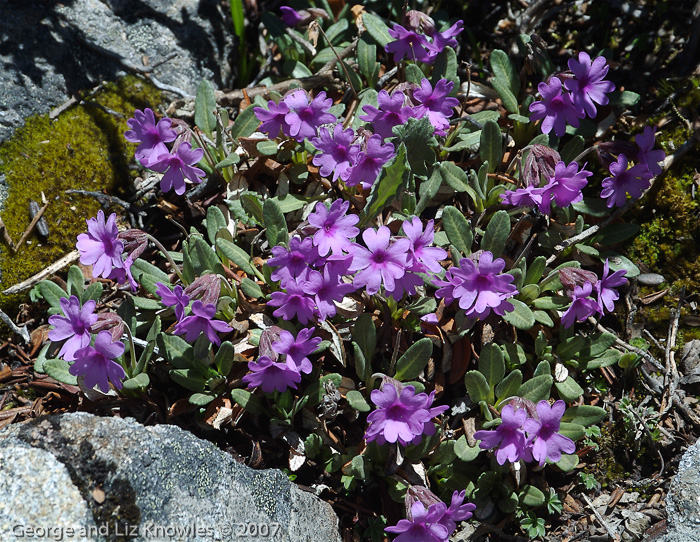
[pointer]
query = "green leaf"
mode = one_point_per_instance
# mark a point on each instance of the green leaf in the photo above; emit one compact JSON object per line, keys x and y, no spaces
{"x":76,"y":281}
{"x":574,"y":431}
{"x":393,"y":175}
{"x":456,"y":178}
{"x":275,"y":224}
{"x":266,"y":147}
{"x":190,"y":379}
{"x":238,"y":18}
{"x":145,"y":303}
{"x":492,"y":366}
{"x":235,"y":255}
{"x":414,"y":360}
{"x":248,"y":401}
{"x":510,"y":385}
{"x":458,"y":230}
{"x":585,"y":415}
{"x":618,"y":262}
{"x":215,"y":222}
{"x":510,"y":102}
{"x":592,"y":207}
{"x":204,"y":107}
{"x":377,"y":29}
{"x":316,"y":390}
{"x":336,"y":29}
{"x":290,"y":202}
{"x":445,"y":67}
{"x":422,"y":306}
{"x":201,"y":399}
{"x":557,"y":302}
{"x":58,"y":370}
{"x":428,"y":189}
{"x":367,"y":60}
{"x":245,"y":124}
{"x":465,"y":452}
{"x":251,"y":288}
{"x":413,"y":74}
{"x":611,"y":357}
{"x":362,"y":368}
{"x":543,"y":318}
{"x":93,"y":291}
{"x":357,"y":401}
{"x":52,"y":293}
{"x":223,"y":360}
{"x":419,"y":139}
{"x":203,"y":256}
{"x":496,"y":234}
{"x":521,"y":316}
{"x":569,"y":390}
{"x":568,"y":462}
{"x":569,"y":348}
{"x":531,"y":497}
{"x":624,"y":98}
{"x":477,"y":386}
{"x":504,"y":71}
{"x":175,"y":350}
{"x":572,"y":149}
{"x":139,"y":382}
{"x":365,"y":335}
{"x":615,"y":233}
{"x":536,"y":388}
{"x":141,"y":266}
{"x":491,"y":146}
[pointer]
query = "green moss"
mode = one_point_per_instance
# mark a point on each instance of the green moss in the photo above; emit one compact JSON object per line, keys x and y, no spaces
{"x":84,"y":148}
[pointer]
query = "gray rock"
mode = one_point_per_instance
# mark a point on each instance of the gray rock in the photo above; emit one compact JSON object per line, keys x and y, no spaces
{"x":683,"y":500}
{"x":109,"y":479}
{"x":51,"y":50}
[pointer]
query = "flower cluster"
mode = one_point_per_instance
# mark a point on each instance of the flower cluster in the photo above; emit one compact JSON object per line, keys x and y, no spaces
{"x":176,"y":164}
{"x":402,"y":415}
{"x":580,"y":285}
{"x":528,"y":433}
{"x":567,"y":104}
{"x":418,"y":39}
{"x":428,"y":518}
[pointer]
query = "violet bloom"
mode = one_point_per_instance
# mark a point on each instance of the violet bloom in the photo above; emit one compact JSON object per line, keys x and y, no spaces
{"x":567,"y":183}
{"x":100,"y":246}
{"x":401,"y":416}
{"x":369,"y":162}
{"x":547,"y":442}
{"x":97,"y":363}
{"x":478,"y":286}
{"x":151,"y":136}
{"x":272,"y":119}
{"x":555,"y":108}
{"x":428,"y":257}
{"x":530,"y":196}
{"x":605,"y":287}
{"x":176,"y":298}
{"x":337,"y":152}
{"x":409,"y":44}
{"x":271,"y":376}
{"x":296,"y":301}
{"x":508,"y":438}
{"x":335,"y":227}
{"x":424,"y":526}
{"x":582,"y":306}
{"x":633,"y":181}
{"x":304,"y":118}
{"x":458,"y":511}
{"x":200,"y":321}
{"x":379,"y":263}
{"x":290,"y":16}
{"x":435,"y":103}
{"x":177,"y":167}
{"x":297,"y":349}
{"x":392,"y":112}
{"x":588,"y":85}
{"x":292,"y":262}
{"x":446,"y":38}
{"x":332,"y":289}
{"x":74,"y":326}
{"x":647,"y":154}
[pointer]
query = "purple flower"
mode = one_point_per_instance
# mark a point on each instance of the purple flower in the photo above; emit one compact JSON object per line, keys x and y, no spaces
{"x":555,"y":108}
{"x":272,"y":119}
{"x":508,"y":438}
{"x":200,"y":321}
{"x":74,"y":326}
{"x":151,"y":136}
{"x":458,"y":511}
{"x":424,"y":526}
{"x":409,"y":44}
{"x":478,"y":285}
{"x":633,"y":181}
{"x":447,"y":37}
{"x":332,"y":289}
{"x":566,"y":185}
{"x":428,"y":257}
{"x":379,"y":263}
{"x":588,"y":85}
{"x":100,"y":246}
{"x":335,"y":227}
{"x":605,"y":287}
{"x":369,"y":162}
{"x":290,"y":16}
{"x":646,"y":153}
{"x":304,"y":117}
{"x":547,"y":443}
{"x":530,"y":196}
{"x":271,"y":376}
{"x":581,"y":307}
{"x":294,"y":261}
{"x":337,"y":153}
{"x":297,"y":349}
{"x":401,"y":416}
{"x":295,"y":302}
{"x":97,"y":363}
{"x":392,"y":112}
{"x":435,"y":103}
{"x":176,"y":298}
{"x":177,"y":167}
